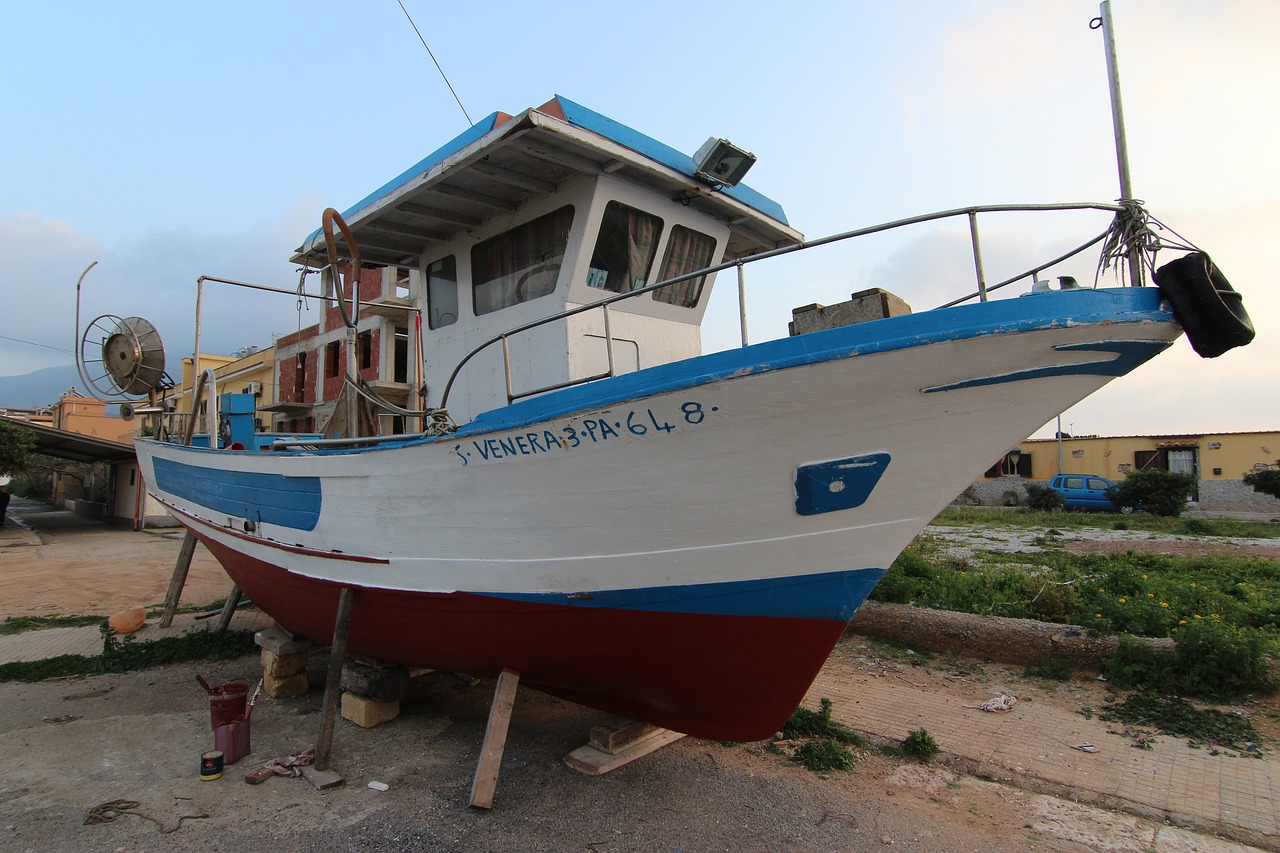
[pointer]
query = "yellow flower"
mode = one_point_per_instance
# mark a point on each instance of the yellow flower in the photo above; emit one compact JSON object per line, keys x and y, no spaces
{"x":1151,"y":595}
{"x":1122,"y":601}
{"x":1102,"y":589}
{"x":1099,"y":615}
{"x":1198,"y":616}
{"x":1144,"y":577}
{"x":1182,"y":621}
{"x":1193,"y":585}
{"x":1164,"y":604}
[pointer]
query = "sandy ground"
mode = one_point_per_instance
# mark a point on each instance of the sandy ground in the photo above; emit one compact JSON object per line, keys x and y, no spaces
{"x":71,"y":745}
{"x":88,"y":568}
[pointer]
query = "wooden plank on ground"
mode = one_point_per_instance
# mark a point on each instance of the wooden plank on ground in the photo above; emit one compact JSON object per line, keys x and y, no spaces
{"x":495,"y":740}
{"x":594,"y":762}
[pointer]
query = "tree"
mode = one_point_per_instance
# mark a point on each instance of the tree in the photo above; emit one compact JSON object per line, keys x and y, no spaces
{"x":16,"y":444}
{"x":1267,"y":482}
{"x":1157,"y":492}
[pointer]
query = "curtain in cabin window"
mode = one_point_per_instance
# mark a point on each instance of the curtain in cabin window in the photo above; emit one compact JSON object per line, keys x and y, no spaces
{"x":687,"y":250}
{"x":520,"y":264}
{"x":625,"y":248}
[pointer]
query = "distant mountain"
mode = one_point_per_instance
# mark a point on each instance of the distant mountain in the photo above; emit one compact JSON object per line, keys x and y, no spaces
{"x":37,"y":389}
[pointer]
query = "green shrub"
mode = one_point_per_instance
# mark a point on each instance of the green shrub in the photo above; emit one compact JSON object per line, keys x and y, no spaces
{"x":825,"y":754}
{"x":810,"y":724}
{"x":1210,"y":660}
{"x":1267,"y":482}
{"x":920,"y":745}
{"x":1158,"y":492}
{"x":1041,"y":498}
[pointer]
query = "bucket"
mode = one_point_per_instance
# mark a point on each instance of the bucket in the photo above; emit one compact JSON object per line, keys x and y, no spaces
{"x":226,"y":701}
{"x":232,"y":739}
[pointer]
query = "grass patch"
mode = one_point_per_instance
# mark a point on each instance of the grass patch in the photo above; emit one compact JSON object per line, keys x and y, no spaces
{"x":19,"y":624}
{"x":128,"y":655}
{"x":956,"y":516}
{"x":1179,"y":718}
{"x":1050,"y":669}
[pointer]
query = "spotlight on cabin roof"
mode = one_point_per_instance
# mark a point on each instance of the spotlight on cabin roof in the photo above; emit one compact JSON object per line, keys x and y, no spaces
{"x":719,"y":161}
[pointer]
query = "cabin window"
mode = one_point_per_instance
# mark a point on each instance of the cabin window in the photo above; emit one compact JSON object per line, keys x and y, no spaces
{"x":520,"y":264}
{"x":400,"y":356}
{"x":442,"y":293}
{"x":687,"y":250}
{"x":625,"y":249}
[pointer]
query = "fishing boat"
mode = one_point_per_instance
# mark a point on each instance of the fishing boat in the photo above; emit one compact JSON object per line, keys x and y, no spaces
{"x":585,"y":498}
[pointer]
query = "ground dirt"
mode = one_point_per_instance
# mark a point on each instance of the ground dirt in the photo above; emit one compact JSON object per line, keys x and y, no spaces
{"x":69,"y":746}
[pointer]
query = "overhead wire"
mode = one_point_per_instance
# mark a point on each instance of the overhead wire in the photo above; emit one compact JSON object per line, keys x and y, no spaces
{"x":437,"y":62}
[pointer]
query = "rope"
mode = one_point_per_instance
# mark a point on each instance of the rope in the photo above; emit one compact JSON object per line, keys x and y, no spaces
{"x":112,"y":809}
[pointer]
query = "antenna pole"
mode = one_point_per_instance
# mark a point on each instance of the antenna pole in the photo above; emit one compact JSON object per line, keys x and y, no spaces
{"x":1117,"y":121}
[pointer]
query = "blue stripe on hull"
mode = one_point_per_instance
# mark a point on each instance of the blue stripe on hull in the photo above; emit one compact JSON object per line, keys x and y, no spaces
{"x":829,"y":595}
{"x":267,"y":498}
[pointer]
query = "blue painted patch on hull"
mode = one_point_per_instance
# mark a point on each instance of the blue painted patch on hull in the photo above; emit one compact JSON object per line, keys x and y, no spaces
{"x":266,"y":498}
{"x":830,"y":595}
{"x":838,"y":484}
{"x":1130,"y":355}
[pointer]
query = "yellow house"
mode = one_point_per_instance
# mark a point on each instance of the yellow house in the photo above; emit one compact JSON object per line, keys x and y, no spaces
{"x":1218,"y":461}
{"x":1207,"y":456}
{"x":249,"y":371}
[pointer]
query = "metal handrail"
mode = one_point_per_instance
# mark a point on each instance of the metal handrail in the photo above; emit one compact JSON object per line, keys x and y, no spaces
{"x":739,"y":263}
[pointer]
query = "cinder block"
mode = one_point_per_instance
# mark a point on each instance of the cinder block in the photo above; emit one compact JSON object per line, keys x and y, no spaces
{"x":285,"y":688}
{"x":283,"y":666}
{"x":368,"y":712}
{"x":280,"y":642}
{"x":383,"y":683}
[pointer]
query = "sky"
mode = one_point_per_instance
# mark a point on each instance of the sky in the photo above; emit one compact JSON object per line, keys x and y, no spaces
{"x":170,"y":140}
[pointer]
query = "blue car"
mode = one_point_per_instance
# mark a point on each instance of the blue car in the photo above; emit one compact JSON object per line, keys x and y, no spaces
{"x":1084,"y":491}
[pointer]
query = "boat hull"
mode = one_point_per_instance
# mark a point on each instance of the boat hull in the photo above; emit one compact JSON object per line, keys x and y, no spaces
{"x":683,"y":544}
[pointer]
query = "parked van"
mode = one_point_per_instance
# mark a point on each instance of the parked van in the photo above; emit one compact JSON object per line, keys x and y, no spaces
{"x":1084,"y":491}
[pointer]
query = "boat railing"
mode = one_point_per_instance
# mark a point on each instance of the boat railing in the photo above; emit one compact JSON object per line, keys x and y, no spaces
{"x":984,"y":289}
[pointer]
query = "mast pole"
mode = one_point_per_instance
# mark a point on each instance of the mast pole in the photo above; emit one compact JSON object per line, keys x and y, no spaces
{"x":1117,"y":121}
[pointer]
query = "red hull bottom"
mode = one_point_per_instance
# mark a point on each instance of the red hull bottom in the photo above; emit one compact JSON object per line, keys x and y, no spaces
{"x":721,"y":677}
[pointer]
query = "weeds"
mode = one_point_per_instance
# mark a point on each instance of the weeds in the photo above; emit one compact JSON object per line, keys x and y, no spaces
{"x":824,"y":754}
{"x":19,"y":624}
{"x":1051,"y":669}
{"x":920,"y":745}
{"x":127,"y":655}
{"x":1179,"y":718}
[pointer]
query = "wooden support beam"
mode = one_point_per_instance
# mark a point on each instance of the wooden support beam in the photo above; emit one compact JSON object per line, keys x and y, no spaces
{"x":179,"y":579}
{"x":333,"y":682}
{"x":228,"y":610}
{"x":495,"y":740}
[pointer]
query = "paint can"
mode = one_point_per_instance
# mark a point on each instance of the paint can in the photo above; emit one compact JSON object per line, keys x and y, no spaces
{"x":226,"y":701}
{"x":211,"y":765}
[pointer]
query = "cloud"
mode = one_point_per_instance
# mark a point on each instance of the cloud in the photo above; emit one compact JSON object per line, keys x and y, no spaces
{"x":153,"y":277}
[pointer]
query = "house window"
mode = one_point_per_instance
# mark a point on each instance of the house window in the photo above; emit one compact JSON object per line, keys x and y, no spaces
{"x":625,"y":249}
{"x":300,"y":377}
{"x":400,"y":365}
{"x":401,"y":282}
{"x":364,"y":343}
{"x":1009,"y":466}
{"x":331,"y":360}
{"x":442,"y":292}
{"x":521,"y":264}
{"x":687,"y":250}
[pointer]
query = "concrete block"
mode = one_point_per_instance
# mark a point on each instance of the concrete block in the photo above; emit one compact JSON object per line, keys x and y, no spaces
{"x":367,"y":712}
{"x":283,"y":666}
{"x":863,"y":306}
{"x":285,"y":688}
{"x":280,"y":642}
{"x":382,"y":683}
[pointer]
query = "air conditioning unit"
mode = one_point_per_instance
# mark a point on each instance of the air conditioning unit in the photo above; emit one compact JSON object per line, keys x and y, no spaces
{"x":255,"y":388}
